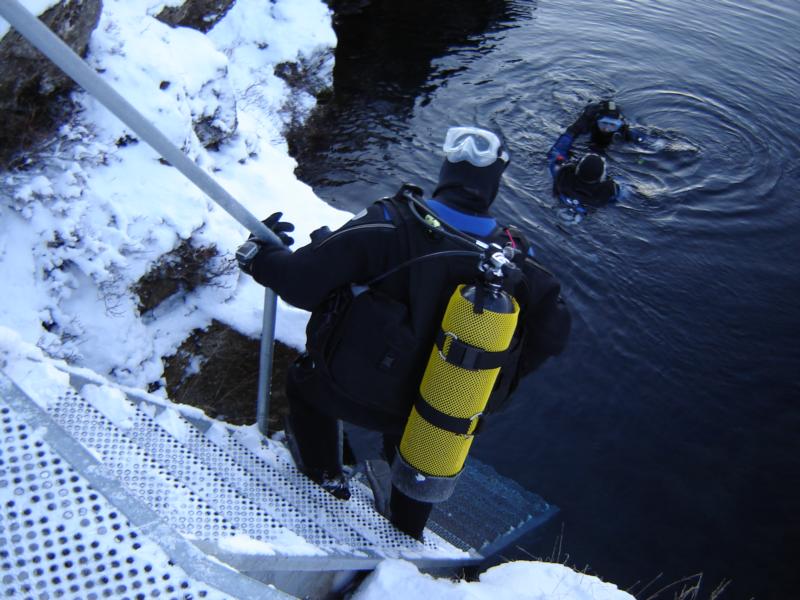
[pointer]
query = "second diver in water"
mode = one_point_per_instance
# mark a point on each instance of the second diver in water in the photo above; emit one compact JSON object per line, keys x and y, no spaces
{"x":583,"y":183}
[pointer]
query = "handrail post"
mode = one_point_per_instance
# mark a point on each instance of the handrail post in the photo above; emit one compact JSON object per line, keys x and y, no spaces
{"x":265,"y":358}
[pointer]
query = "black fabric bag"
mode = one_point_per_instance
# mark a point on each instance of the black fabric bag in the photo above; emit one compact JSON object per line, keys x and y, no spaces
{"x":508,"y":379}
{"x":367,"y":347}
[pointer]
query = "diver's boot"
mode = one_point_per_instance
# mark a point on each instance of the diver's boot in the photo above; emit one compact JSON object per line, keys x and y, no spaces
{"x":336,"y":484}
{"x":291,"y":444}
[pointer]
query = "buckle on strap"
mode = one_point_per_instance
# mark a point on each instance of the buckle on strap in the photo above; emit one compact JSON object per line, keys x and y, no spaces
{"x":467,"y":356}
{"x":458,"y":425}
{"x":440,"y":338}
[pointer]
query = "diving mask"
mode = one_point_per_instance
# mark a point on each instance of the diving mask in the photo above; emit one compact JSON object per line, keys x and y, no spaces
{"x":477,"y":146}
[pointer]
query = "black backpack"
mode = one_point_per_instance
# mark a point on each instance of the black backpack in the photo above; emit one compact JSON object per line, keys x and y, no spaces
{"x":364,"y":342}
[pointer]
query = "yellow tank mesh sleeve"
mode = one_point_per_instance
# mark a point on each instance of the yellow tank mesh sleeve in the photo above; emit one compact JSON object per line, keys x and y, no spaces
{"x":455,"y":391}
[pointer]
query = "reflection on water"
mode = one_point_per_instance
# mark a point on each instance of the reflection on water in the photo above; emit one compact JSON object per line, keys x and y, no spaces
{"x":385,"y":66}
{"x":667,"y":432}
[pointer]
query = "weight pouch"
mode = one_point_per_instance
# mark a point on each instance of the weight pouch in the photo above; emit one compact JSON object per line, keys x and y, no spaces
{"x":364,"y":340}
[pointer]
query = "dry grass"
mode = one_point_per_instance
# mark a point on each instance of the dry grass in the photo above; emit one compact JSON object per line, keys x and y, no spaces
{"x":686,"y":588}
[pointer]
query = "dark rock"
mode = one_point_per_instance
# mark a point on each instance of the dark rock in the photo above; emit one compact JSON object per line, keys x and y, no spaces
{"x":180,"y":271}
{"x":197,"y":14}
{"x":30,"y":84}
{"x":308,"y":76}
{"x":216,"y":370}
{"x":218,"y":121}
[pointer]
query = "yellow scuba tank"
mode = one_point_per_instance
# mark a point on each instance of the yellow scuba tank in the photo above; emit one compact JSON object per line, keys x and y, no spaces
{"x":464,"y":363}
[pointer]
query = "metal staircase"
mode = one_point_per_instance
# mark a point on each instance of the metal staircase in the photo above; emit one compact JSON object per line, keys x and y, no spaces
{"x":158,"y":502}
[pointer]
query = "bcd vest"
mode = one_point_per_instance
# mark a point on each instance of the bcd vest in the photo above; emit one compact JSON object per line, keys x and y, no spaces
{"x":373,"y":342}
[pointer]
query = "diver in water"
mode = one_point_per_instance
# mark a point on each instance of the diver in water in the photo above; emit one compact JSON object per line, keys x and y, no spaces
{"x":583,"y":183}
{"x":605,"y":123}
{"x":580,"y":183}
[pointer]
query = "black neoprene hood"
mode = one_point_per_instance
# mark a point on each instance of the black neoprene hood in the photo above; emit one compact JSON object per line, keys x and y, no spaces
{"x":591,"y":168}
{"x":468,"y":187}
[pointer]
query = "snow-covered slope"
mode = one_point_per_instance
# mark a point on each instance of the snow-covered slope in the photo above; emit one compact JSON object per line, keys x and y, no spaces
{"x":519,"y":580}
{"x":95,"y":209}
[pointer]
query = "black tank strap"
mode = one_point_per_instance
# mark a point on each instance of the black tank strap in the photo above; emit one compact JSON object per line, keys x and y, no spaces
{"x":467,"y":356}
{"x":457,"y":425}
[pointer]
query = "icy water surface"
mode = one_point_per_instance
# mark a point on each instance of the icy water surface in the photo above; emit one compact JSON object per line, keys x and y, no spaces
{"x":668,"y":432}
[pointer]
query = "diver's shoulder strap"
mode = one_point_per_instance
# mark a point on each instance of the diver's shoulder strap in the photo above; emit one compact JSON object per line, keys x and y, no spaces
{"x":407,"y":194}
{"x":409,"y":189}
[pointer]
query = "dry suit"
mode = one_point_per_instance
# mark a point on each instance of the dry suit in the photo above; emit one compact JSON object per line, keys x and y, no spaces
{"x":368,"y":341}
{"x":568,"y":184}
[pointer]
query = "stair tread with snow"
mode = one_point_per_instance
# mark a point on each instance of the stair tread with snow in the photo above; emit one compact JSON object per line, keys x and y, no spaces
{"x":236,"y":497}
{"x":213,"y":489}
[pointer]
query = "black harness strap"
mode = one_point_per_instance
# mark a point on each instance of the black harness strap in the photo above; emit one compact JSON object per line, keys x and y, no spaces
{"x":467,"y":356}
{"x":444,"y":421}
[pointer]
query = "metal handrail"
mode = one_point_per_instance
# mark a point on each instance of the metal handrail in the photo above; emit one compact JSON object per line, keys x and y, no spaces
{"x":41,"y":37}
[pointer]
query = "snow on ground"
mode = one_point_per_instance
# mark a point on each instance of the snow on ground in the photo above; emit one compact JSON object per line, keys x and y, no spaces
{"x":94,"y":209}
{"x":520,"y":580}
{"x":288,"y":543}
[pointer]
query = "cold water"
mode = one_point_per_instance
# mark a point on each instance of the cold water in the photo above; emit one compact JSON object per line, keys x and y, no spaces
{"x":668,"y":431}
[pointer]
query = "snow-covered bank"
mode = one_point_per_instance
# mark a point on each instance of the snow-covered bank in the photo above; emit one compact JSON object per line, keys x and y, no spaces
{"x":94,"y":210}
{"x":519,"y":580}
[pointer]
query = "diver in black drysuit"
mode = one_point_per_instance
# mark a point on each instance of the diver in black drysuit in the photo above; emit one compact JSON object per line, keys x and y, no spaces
{"x":583,"y":184}
{"x":365,"y":367}
{"x":605,"y":124}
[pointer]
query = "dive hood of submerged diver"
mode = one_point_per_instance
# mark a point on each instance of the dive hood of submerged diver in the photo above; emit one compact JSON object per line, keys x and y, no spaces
{"x":469,"y":178}
{"x":586,"y":182}
{"x":591,"y":169}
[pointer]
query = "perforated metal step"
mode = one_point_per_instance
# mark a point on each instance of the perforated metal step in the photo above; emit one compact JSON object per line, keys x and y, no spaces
{"x":239,"y":498}
{"x":211,"y":491}
{"x":62,"y":538}
{"x":488,"y":512}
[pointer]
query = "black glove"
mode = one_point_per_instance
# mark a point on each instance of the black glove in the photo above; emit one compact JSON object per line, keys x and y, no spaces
{"x":279,"y":227}
{"x":248,"y":251}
